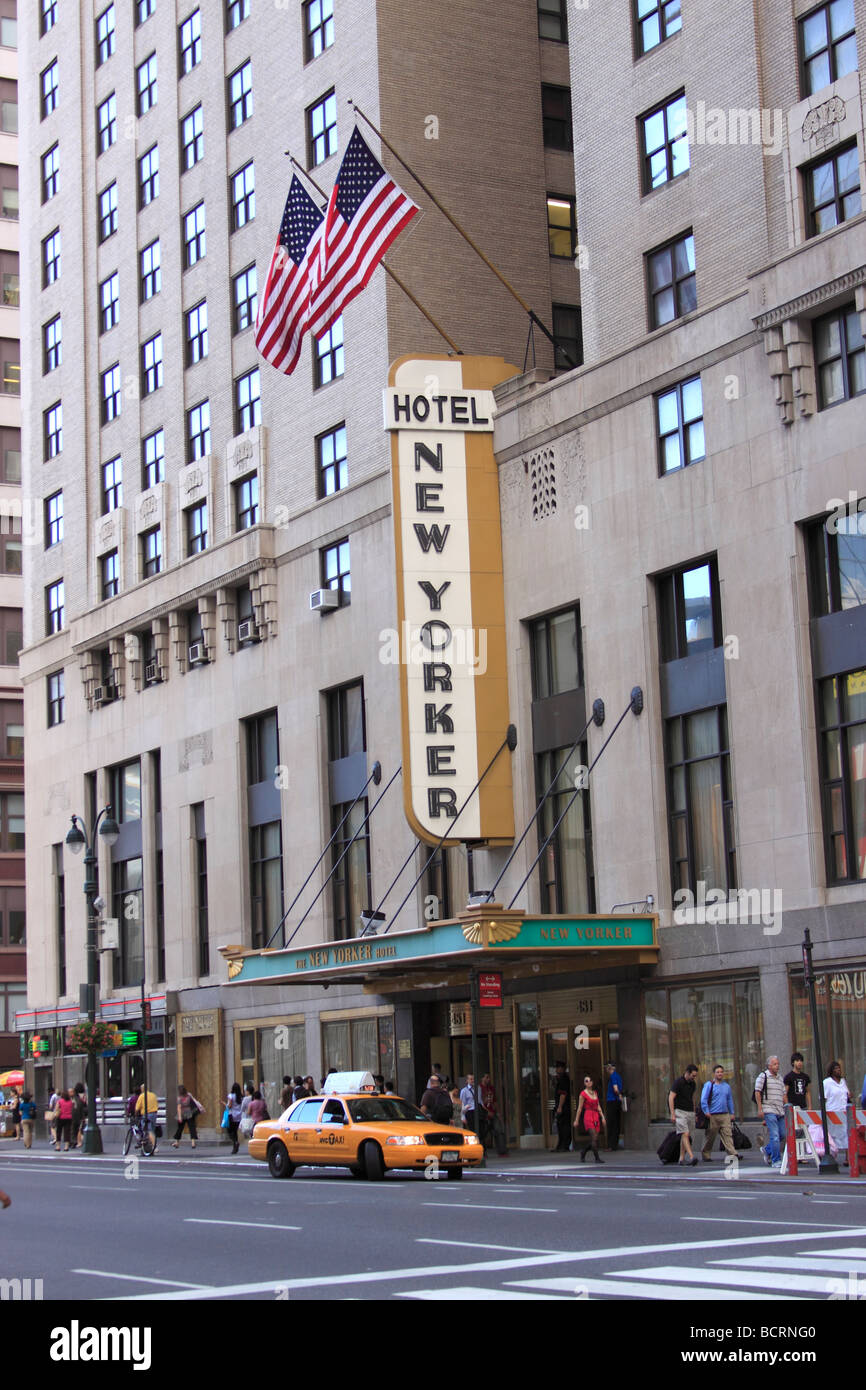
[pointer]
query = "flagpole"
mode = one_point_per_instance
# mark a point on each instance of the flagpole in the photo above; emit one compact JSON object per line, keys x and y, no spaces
{"x":394,"y":276}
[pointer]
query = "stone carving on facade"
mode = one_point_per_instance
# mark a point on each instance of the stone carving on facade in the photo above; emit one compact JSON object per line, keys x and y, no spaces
{"x":118,"y":664}
{"x":542,"y":481}
{"x":788,"y":341}
{"x":196,"y":751}
{"x":207,"y":613}
{"x":193,"y":481}
{"x":227,"y":615}
{"x":820,"y":126}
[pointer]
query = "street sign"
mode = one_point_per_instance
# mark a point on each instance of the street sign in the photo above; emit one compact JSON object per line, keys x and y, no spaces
{"x":490,"y":991}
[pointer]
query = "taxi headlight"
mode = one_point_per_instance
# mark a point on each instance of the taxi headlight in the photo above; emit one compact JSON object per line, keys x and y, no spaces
{"x":405,"y":1139}
{"x":471,"y":1139}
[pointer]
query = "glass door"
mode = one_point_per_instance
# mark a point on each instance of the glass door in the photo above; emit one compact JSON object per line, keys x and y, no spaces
{"x":530,"y":1122}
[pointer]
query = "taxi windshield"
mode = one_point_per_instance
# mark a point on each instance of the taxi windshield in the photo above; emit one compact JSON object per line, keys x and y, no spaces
{"x":383,"y":1108}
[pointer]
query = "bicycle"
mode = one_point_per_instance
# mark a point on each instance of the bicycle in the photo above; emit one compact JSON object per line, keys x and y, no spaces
{"x":140,"y":1133}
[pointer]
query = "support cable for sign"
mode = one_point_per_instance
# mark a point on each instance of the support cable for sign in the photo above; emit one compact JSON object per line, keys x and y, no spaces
{"x":393,"y":274}
{"x":597,"y":718}
{"x":635,"y":705}
{"x":375,"y":776}
{"x":509,"y":742}
{"x":345,"y":851}
{"x":533,"y":317}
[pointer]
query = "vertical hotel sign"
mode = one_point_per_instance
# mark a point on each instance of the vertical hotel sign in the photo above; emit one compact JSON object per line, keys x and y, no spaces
{"x":450,"y":599}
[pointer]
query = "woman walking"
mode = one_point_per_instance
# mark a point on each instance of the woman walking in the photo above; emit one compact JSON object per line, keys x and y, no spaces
{"x":593,"y":1118}
{"x":28,"y":1118}
{"x":234,"y":1105}
{"x":79,"y":1113}
{"x":63,"y":1128}
{"x":187,"y":1114}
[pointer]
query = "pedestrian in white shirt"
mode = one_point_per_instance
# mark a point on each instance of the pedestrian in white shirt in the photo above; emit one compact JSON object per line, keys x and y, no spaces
{"x":837,"y":1098}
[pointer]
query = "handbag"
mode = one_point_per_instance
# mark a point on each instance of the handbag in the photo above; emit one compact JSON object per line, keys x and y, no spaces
{"x":247,"y":1126}
{"x":227,"y":1114}
{"x":741,"y":1140}
{"x":50,"y":1116}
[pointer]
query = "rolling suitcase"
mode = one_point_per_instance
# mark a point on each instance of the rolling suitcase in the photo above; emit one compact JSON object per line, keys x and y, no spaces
{"x":669,"y":1149}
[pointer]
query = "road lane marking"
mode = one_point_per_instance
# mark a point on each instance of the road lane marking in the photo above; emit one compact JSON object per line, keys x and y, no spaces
{"x":802,"y":1283}
{"x":139,"y":1278}
{"x":749,"y":1221}
{"x":253,"y":1225}
{"x":835,"y":1266}
{"x":671,"y":1292}
{"x":472,"y":1294}
{"x":483,"y":1206}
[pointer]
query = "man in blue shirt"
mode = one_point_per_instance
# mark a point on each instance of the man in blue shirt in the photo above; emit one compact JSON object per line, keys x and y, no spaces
{"x":717,"y":1103}
{"x":613,"y":1106}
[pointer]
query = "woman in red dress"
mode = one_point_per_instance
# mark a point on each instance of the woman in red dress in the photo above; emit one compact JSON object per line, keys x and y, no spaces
{"x":589,"y":1107}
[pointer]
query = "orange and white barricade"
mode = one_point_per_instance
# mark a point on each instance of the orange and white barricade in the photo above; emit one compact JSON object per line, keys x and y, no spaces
{"x":799,"y":1145}
{"x":856,"y":1141}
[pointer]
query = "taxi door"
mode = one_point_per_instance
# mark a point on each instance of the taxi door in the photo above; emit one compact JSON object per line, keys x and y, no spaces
{"x":334,"y":1133}
{"x":302,"y":1133}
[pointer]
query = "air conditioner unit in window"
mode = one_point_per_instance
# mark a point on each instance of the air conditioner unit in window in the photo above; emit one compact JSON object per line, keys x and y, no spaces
{"x":151,"y":673}
{"x":104,"y":694}
{"x":322,"y":600}
{"x":248,"y":631}
{"x":197,"y":654}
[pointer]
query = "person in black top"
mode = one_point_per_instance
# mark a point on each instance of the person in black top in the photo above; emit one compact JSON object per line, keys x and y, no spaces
{"x":798,"y":1083}
{"x":562,"y":1107}
{"x":681,"y":1102}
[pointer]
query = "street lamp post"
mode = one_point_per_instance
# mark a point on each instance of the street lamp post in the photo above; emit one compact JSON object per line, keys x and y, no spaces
{"x":76,"y":840}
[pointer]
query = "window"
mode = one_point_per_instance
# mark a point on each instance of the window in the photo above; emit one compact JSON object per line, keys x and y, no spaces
{"x":266,"y":869}
{"x":108,"y":302}
{"x":836,"y":549}
{"x":828,"y":46}
{"x":248,"y":409}
{"x":107,"y":212}
{"x":328,"y":359}
{"x":143,"y":10}
{"x":151,"y":365}
{"x":198,"y":431}
{"x":11,"y":550}
{"x":557,"y":664}
{"x":50,"y":173}
{"x":556,"y":117}
{"x":335,"y":571}
{"x":10,"y":636}
{"x":48,"y":81}
{"x":153,"y":459}
{"x":10,"y":454}
{"x":552,"y":22}
{"x":245,"y":299}
{"x":54,"y":608}
{"x":361,"y":1042}
{"x":109,"y":573}
{"x":671,"y":281}
{"x":110,"y":394}
{"x":700,"y":805}
{"x":561,"y":226}
{"x":124,"y":782}
{"x":690,"y":615}
{"x":842,"y":741}
{"x":106,"y":124}
{"x":243,"y":196}
{"x":236,"y":12}
{"x":52,"y":430}
{"x":11,"y":367}
{"x":351,"y":861}
{"x":705,"y":1022}
{"x":52,"y":345}
{"x":680,"y":421}
{"x":190,"y":42}
{"x":53,"y":519}
{"x":56,"y":692}
{"x":196,"y":528}
{"x":840,"y":356}
{"x":146,"y":80}
{"x":10,"y":289}
{"x":148,"y":177}
{"x":656,"y":20}
{"x":192,"y":138}
{"x":9,"y":192}
{"x":200,"y":842}
{"x":12,"y":825}
{"x":193,"y":235}
{"x":567,"y":337}
{"x":13,"y":909}
{"x":665,"y":143}
{"x":127,"y":906}
{"x":833,"y":190}
{"x":60,"y":917}
{"x":331,"y":461}
{"x":151,"y":272}
{"x":151,"y":552}
{"x":104,"y":36}
{"x":240,"y":96}
{"x":318,"y":27}
{"x":49,"y":15}
{"x":112,"y":485}
{"x":196,"y":334}
{"x":246,"y":502}
{"x":321,"y":130}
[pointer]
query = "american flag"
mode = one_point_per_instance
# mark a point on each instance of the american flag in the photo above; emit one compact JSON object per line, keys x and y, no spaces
{"x":283,"y":316}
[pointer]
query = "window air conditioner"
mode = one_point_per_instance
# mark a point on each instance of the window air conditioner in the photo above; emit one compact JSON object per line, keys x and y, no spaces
{"x":322,"y":600}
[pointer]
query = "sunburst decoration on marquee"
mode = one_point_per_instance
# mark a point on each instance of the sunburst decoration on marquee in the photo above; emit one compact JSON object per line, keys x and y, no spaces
{"x":496,"y":932}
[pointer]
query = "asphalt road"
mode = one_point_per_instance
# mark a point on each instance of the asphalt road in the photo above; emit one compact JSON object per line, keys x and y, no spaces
{"x":175,"y":1230}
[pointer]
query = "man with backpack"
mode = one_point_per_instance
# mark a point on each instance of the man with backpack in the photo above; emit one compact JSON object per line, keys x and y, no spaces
{"x":770,"y":1097}
{"x":436,"y":1102}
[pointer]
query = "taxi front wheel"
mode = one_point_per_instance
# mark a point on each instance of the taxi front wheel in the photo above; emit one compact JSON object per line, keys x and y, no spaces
{"x":374,"y":1162}
{"x":279,"y":1164}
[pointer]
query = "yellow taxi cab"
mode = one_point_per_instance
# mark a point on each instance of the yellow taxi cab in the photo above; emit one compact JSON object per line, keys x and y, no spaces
{"x":352,"y":1125}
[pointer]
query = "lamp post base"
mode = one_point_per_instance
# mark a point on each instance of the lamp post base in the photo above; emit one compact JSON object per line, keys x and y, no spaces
{"x":92,"y":1140}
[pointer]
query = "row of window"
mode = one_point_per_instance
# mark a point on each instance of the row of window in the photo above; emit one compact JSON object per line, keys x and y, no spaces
{"x":318,"y":18}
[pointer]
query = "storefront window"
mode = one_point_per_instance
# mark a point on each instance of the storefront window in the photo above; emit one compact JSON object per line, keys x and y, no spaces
{"x":841,"y":1007}
{"x":360,"y":1044}
{"x":530,"y":1080}
{"x":657,"y":1051}
{"x":268,"y":1054}
{"x":710,"y":1023}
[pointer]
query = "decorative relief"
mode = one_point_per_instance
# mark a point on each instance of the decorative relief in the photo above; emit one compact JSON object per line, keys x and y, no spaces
{"x":542,"y":477}
{"x":193,"y":481}
{"x":819,"y":125}
{"x":820,"y":295}
{"x":195,"y":751}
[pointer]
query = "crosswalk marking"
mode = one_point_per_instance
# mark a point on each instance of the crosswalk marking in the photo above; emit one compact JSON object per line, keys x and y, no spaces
{"x":782,"y":1262}
{"x":796,"y":1283}
{"x":480,"y":1295}
{"x":623,"y":1288}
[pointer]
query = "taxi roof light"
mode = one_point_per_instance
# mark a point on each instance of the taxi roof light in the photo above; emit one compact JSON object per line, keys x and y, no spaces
{"x":348,"y":1083}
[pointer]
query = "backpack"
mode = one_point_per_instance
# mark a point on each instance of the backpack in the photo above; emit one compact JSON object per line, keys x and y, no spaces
{"x":443,"y":1112}
{"x":760,"y":1095}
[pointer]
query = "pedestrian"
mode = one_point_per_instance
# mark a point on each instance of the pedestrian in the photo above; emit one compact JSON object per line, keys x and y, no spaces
{"x":770,"y":1095}
{"x":444,"y":1080}
{"x":5,"y":1199}
{"x":234,"y":1102}
{"x":717,"y":1103}
{"x":147,"y":1106}
{"x":837,"y":1097}
{"x":63,"y":1128}
{"x":258,"y":1108}
{"x":473,"y":1110}
{"x":28,"y":1118}
{"x":79,"y":1113}
{"x":436,"y":1102}
{"x":13,"y":1105}
{"x":53,"y":1109}
{"x":285,"y":1093}
{"x":456,"y":1107}
{"x":310,"y":1085}
{"x":495,"y":1133}
{"x":681,"y":1103}
{"x":613,"y":1102}
{"x":562,"y":1107}
{"x":299,"y":1090}
{"x":798,"y":1084}
{"x":187,"y":1114}
{"x":589,"y":1107}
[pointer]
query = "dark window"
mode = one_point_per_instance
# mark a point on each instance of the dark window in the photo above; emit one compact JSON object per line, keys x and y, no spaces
{"x":50,"y":173}
{"x":557,"y":663}
{"x":112,"y":485}
{"x":328,"y":359}
{"x":556,"y":117}
{"x":336,"y":573}
{"x":9,"y":209}
{"x":700,"y":805}
{"x":151,"y":271}
{"x":11,"y":822}
{"x":566,"y":877}
{"x":10,"y":454}
{"x":352,"y":891}
{"x":656,"y":20}
{"x":109,"y":573}
{"x":244,"y":299}
{"x":266,"y":882}
{"x":248,"y":405}
{"x":193,"y":235}
{"x":236,"y":12}
{"x":127,"y":906}
{"x":196,"y":528}
{"x":10,"y":349}
{"x":143,"y":10}
{"x":110,"y":394}
{"x":60,"y":917}
{"x":561,"y":226}
{"x":690,"y":611}
{"x":196,"y":333}
{"x":665,"y":143}
{"x":243,"y":196}
{"x":552,"y":22}
{"x":109,"y":301}
{"x":153,"y":459}
{"x":201,"y":904}
{"x":51,"y":259}
{"x":151,"y":552}
{"x":151,"y":365}
{"x":321,"y":130}
{"x":680,"y":425}
{"x":53,"y":430}
{"x":246,"y":502}
{"x":52,"y":345}
{"x":48,"y":82}
{"x":10,"y":636}
{"x":53,"y":519}
{"x":331,"y":461}
{"x":828,"y":46}
{"x":104,"y":35}
{"x":11,"y":549}
{"x":318,"y":27}
{"x":54,"y":608}
{"x":190,"y":42}
{"x":148,"y":177}
{"x":106,"y":124}
{"x":840,"y":357}
{"x":146,"y":78}
{"x":192,"y":138}
{"x":567,"y":337}
{"x":671,"y":281}
{"x":836,"y":550}
{"x":56,"y":692}
{"x":436,"y":883}
{"x":842,"y":741}
{"x":107,"y":212}
{"x":240,"y":95}
{"x":198,"y":431}
{"x":833,"y":190}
